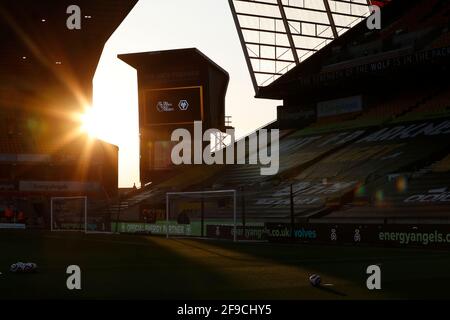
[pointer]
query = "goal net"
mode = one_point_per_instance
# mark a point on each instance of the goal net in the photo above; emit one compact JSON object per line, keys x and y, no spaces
{"x":76,"y":214}
{"x":201,"y":214}
{"x":68,"y":214}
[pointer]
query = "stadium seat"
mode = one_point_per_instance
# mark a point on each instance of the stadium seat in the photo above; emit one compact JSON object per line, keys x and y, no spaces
{"x":437,"y":106}
{"x":442,"y":166}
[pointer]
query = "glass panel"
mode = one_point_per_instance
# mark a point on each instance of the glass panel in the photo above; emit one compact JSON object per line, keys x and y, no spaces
{"x":268,"y":38}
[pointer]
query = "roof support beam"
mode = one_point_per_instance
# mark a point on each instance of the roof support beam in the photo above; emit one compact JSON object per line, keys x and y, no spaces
{"x":244,"y":47}
{"x":271,"y":45}
{"x":272,"y":59}
{"x":291,"y":20}
{"x":305,"y":8}
{"x":288,"y":32}
{"x":330,"y":17}
{"x":283,"y":33}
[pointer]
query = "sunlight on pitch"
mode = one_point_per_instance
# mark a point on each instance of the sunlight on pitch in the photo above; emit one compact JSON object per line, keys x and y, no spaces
{"x":249,"y":271}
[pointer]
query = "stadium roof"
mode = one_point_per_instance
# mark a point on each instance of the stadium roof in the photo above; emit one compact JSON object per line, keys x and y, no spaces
{"x":277,"y":35}
{"x":154,"y":59}
{"x":38,"y":51}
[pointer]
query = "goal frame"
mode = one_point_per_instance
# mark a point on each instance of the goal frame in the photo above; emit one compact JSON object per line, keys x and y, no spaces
{"x":85,"y":198}
{"x":232,"y":192}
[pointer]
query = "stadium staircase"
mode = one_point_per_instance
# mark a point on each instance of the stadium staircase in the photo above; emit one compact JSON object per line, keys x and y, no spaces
{"x":117,"y":207}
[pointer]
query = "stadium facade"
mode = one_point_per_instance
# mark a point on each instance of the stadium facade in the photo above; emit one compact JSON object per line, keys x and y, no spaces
{"x":46,"y":72}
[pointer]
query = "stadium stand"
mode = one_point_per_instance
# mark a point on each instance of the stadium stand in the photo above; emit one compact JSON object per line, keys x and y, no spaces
{"x":46,"y":73}
{"x":436,"y":106}
{"x":443,"y":40}
{"x":388,"y":161}
{"x":382,"y":111}
{"x":327,"y":171}
{"x":392,"y":108}
{"x":296,"y":150}
{"x":442,"y":166}
{"x":407,"y":196}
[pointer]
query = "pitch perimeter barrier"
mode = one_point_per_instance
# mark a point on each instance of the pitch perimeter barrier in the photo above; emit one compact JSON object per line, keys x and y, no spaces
{"x":250,"y":233}
{"x":437,"y":236}
{"x":12,"y":226}
{"x":400,"y":235}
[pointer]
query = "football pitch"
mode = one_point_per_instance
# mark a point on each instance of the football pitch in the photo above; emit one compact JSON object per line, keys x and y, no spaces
{"x":145,"y":267}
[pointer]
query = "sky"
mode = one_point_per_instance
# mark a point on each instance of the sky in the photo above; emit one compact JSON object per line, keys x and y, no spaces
{"x":155,"y":25}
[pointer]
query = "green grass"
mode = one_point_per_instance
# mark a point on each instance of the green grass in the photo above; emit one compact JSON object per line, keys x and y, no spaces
{"x":138,"y":267}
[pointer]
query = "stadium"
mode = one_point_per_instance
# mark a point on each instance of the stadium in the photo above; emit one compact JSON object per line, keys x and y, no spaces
{"x":363,"y":172}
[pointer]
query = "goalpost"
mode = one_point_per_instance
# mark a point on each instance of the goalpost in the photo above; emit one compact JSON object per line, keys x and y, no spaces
{"x":77,"y":215}
{"x":196,"y":213}
{"x":68,"y":214}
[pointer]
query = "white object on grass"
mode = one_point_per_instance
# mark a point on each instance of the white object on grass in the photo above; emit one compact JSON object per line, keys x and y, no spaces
{"x":315,"y":280}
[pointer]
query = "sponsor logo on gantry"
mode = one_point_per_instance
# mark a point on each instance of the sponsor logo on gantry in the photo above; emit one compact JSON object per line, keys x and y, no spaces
{"x":183,"y":105}
{"x":164,"y":106}
{"x":259,"y":149}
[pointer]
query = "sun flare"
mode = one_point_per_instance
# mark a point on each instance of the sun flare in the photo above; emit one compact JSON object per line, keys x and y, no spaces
{"x":89,"y":122}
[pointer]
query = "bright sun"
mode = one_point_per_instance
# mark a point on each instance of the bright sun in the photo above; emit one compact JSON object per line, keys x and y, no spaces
{"x":99,"y":123}
{"x":88,"y":122}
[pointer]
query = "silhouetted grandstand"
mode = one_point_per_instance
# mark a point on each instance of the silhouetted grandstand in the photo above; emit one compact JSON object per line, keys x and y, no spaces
{"x":364,"y":122}
{"x":377,"y":148}
{"x":46,"y":72}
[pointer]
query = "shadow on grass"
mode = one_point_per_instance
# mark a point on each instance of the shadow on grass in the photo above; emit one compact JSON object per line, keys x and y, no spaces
{"x":331,"y":290}
{"x":113,"y":267}
{"x":406,"y":273}
{"x":137,"y":267}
